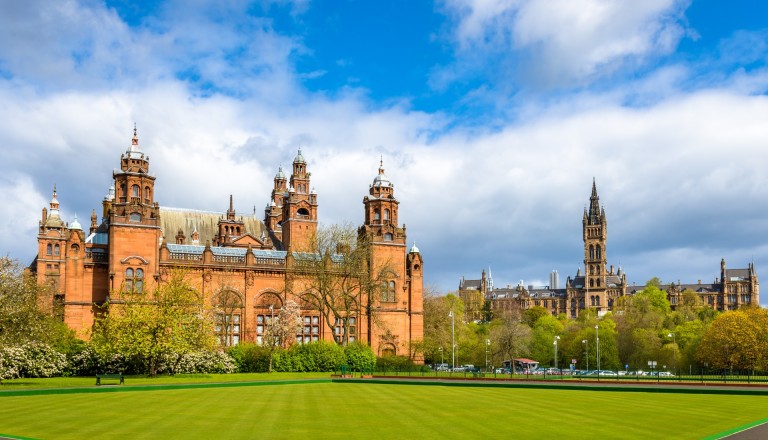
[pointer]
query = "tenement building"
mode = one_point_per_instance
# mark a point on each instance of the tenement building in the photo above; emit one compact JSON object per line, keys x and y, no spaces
{"x":600,"y":285}
{"x":244,"y":267}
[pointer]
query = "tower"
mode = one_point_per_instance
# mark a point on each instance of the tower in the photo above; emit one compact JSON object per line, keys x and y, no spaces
{"x":298,"y":220}
{"x":134,"y":222}
{"x":51,"y":246}
{"x":595,"y":233}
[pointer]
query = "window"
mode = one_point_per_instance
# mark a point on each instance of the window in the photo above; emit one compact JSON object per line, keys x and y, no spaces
{"x":309,"y":331}
{"x":228,"y":328}
{"x":386,"y":214}
{"x":135,"y":217}
{"x":134,"y":280}
{"x":388,"y":292}
{"x":135,"y":191}
{"x":49,"y":249}
{"x":591,"y":252}
{"x":599,"y":253}
{"x":376,"y":215}
{"x":262,"y":324}
{"x":147,"y":193}
{"x":338,"y":329}
{"x":56,"y":250}
{"x":388,"y":237}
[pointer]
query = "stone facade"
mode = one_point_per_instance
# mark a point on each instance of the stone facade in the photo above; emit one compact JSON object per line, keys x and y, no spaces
{"x":243,"y":266}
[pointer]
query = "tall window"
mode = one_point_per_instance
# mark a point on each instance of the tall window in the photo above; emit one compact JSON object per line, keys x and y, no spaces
{"x":56,"y":250}
{"x":49,"y":249}
{"x":135,"y":191}
{"x":388,"y":292}
{"x":386,"y":214}
{"x":229,"y":308}
{"x":376,"y":215}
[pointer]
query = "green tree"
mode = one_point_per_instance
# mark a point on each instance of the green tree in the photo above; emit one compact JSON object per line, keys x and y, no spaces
{"x":437,"y":324}
{"x":531,"y":316}
{"x":542,"y":341}
{"x":149,"y":328}
{"x":510,"y":339}
{"x":26,"y":310}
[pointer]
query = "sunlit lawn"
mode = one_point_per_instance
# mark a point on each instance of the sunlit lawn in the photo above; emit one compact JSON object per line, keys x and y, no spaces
{"x":359,"y":410}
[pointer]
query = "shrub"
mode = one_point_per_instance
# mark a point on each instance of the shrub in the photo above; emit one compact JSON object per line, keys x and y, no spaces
{"x":395,"y":363}
{"x":360,"y":357}
{"x":315,"y":356}
{"x":205,"y":362}
{"x":250,"y":358}
{"x":33,"y":359}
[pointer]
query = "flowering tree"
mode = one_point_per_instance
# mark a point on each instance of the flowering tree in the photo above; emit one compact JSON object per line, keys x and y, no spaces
{"x":281,"y":331}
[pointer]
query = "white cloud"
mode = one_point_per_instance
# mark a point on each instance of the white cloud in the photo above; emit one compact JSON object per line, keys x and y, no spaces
{"x":562,"y":41}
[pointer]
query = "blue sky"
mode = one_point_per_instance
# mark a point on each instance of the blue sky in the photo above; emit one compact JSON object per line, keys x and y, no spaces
{"x":492,"y":117}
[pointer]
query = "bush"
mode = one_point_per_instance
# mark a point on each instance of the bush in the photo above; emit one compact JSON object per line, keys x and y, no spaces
{"x":360,"y":357}
{"x":204,"y":362}
{"x":315,"y":356}
{"x":250,"y":358}
{"x":397,"y":363}
{"x":33,"y":359}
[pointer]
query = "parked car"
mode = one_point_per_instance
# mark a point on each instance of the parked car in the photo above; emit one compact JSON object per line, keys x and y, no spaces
{"x":502,"y":371}
{"x":442,"y":367}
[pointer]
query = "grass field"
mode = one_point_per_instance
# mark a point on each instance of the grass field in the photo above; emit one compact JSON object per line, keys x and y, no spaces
{"x":359,"y":410}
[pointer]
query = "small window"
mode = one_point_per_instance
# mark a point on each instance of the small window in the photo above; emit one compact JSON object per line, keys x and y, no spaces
{"x":135,"y":217}
{"x":388,"y":237}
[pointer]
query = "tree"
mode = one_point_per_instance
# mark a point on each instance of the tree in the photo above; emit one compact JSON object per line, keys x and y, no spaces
{"x":736,"y":340}
{"x":437,"y":323}
{"x":281,"y":331}
{"x":544,"y":332}
{"x":26,"y":310}
{"x":340,"y":278}
{"x":510,"y":339}
{"x":149,"y":328}
{"x":532,"y":315}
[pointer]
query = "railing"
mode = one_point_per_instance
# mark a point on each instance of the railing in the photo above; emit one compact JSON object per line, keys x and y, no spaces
{"x":97,"y":256}
{"x":614,"y":376}
{"x":185,"y":257}
{"x":228,"y":259}
{"x":270,"y":261}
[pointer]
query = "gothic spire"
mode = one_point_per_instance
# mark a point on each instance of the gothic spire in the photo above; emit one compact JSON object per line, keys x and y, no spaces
{"x":594,"y":206}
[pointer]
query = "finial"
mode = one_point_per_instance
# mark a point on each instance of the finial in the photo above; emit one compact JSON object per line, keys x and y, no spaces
{"x":135,"y":140}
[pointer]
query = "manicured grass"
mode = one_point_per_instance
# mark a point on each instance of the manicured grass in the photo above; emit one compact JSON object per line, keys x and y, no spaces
{"x":65,"y":382}
{"x":356,"y":410}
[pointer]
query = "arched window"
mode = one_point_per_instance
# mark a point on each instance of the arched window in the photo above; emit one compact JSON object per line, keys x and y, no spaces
{"x":129,"y":279}
{"x":597,"y":300}
{"x":376,"y":215}
{"x":138,"y":281}
{"x":598,"y":282}
{"x":49,"y":249}
{"x":56,"y":250}
{"x":591,"y":252}
{"x":386,"y":214}
{"x":135,"y":192}
{"x":147,"y":194}
{"x":229,"y":308}
{"x":591,"y":283}
{"x":391,"y":291}
{"x":599,"y":252}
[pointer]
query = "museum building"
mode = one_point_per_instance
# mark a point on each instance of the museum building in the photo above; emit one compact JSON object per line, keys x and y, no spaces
{"x":244,"y":267}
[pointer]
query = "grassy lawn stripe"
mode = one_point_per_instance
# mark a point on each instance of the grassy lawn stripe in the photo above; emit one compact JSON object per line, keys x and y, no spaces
{"x":736,"y":430}
{"x":352,"y":410}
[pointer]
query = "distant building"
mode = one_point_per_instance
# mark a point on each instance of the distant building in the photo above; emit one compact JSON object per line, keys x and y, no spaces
{"x":472,"y":294}
{"x":600,"y":285}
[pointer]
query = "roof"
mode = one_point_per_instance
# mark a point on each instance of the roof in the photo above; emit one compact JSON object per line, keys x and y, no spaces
{"x":205,"y":222}
{"x":736,"y":274}
{"x":470,"y":284}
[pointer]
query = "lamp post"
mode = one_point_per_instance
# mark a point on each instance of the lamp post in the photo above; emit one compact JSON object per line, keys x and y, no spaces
{"x":453,"y":340}
{"x":597,"y":338}
{"x":586,"y":351}
{"x":487,"y":346}
{"x":674,"y":342}
{"x":441,"y":355}
{"x":555,"y":344}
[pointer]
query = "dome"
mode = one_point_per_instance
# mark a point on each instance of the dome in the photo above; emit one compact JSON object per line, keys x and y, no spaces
{"x":414,"y":249}
{"x":280,"y":174}
{"x":75,"y":224}
{"x":299,"y":158}
{"x":381,"y":180}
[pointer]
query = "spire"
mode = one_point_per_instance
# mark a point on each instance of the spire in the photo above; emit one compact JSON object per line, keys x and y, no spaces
{"x":54,"y":201}
{"x":595,"y":213}
{"x":299,"y":158}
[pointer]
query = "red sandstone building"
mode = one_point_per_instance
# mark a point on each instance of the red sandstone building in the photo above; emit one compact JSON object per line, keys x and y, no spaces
{"x":243,"y":266}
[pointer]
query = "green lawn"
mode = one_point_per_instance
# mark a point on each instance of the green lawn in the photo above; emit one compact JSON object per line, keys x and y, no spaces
{"x":359,"y":410}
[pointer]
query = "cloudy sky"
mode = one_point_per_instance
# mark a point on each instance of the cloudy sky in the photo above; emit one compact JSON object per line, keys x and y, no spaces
{"x":492,"y":118}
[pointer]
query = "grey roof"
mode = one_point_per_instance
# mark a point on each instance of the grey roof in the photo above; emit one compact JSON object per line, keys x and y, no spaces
{"x":698,"y":288}
{"x":736,"y":274}
{"x":470,"y":284}
{"x":241,"y":252}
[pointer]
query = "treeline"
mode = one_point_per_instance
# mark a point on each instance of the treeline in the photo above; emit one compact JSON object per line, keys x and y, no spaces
{"x":641,"y":328}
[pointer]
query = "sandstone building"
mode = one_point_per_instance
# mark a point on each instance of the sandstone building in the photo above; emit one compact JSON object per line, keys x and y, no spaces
{"x":245,"y":267}
{"x":600,"y":285}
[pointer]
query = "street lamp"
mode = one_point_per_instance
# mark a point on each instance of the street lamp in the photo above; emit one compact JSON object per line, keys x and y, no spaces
{"x":441,"y":355}
{"x":453,"y":340}
{"x":487,"y":346}
{"x":555,"y":344}
{"x":674,"y":342}
{"x":597,"y":338}
{"x":586,"y":351}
